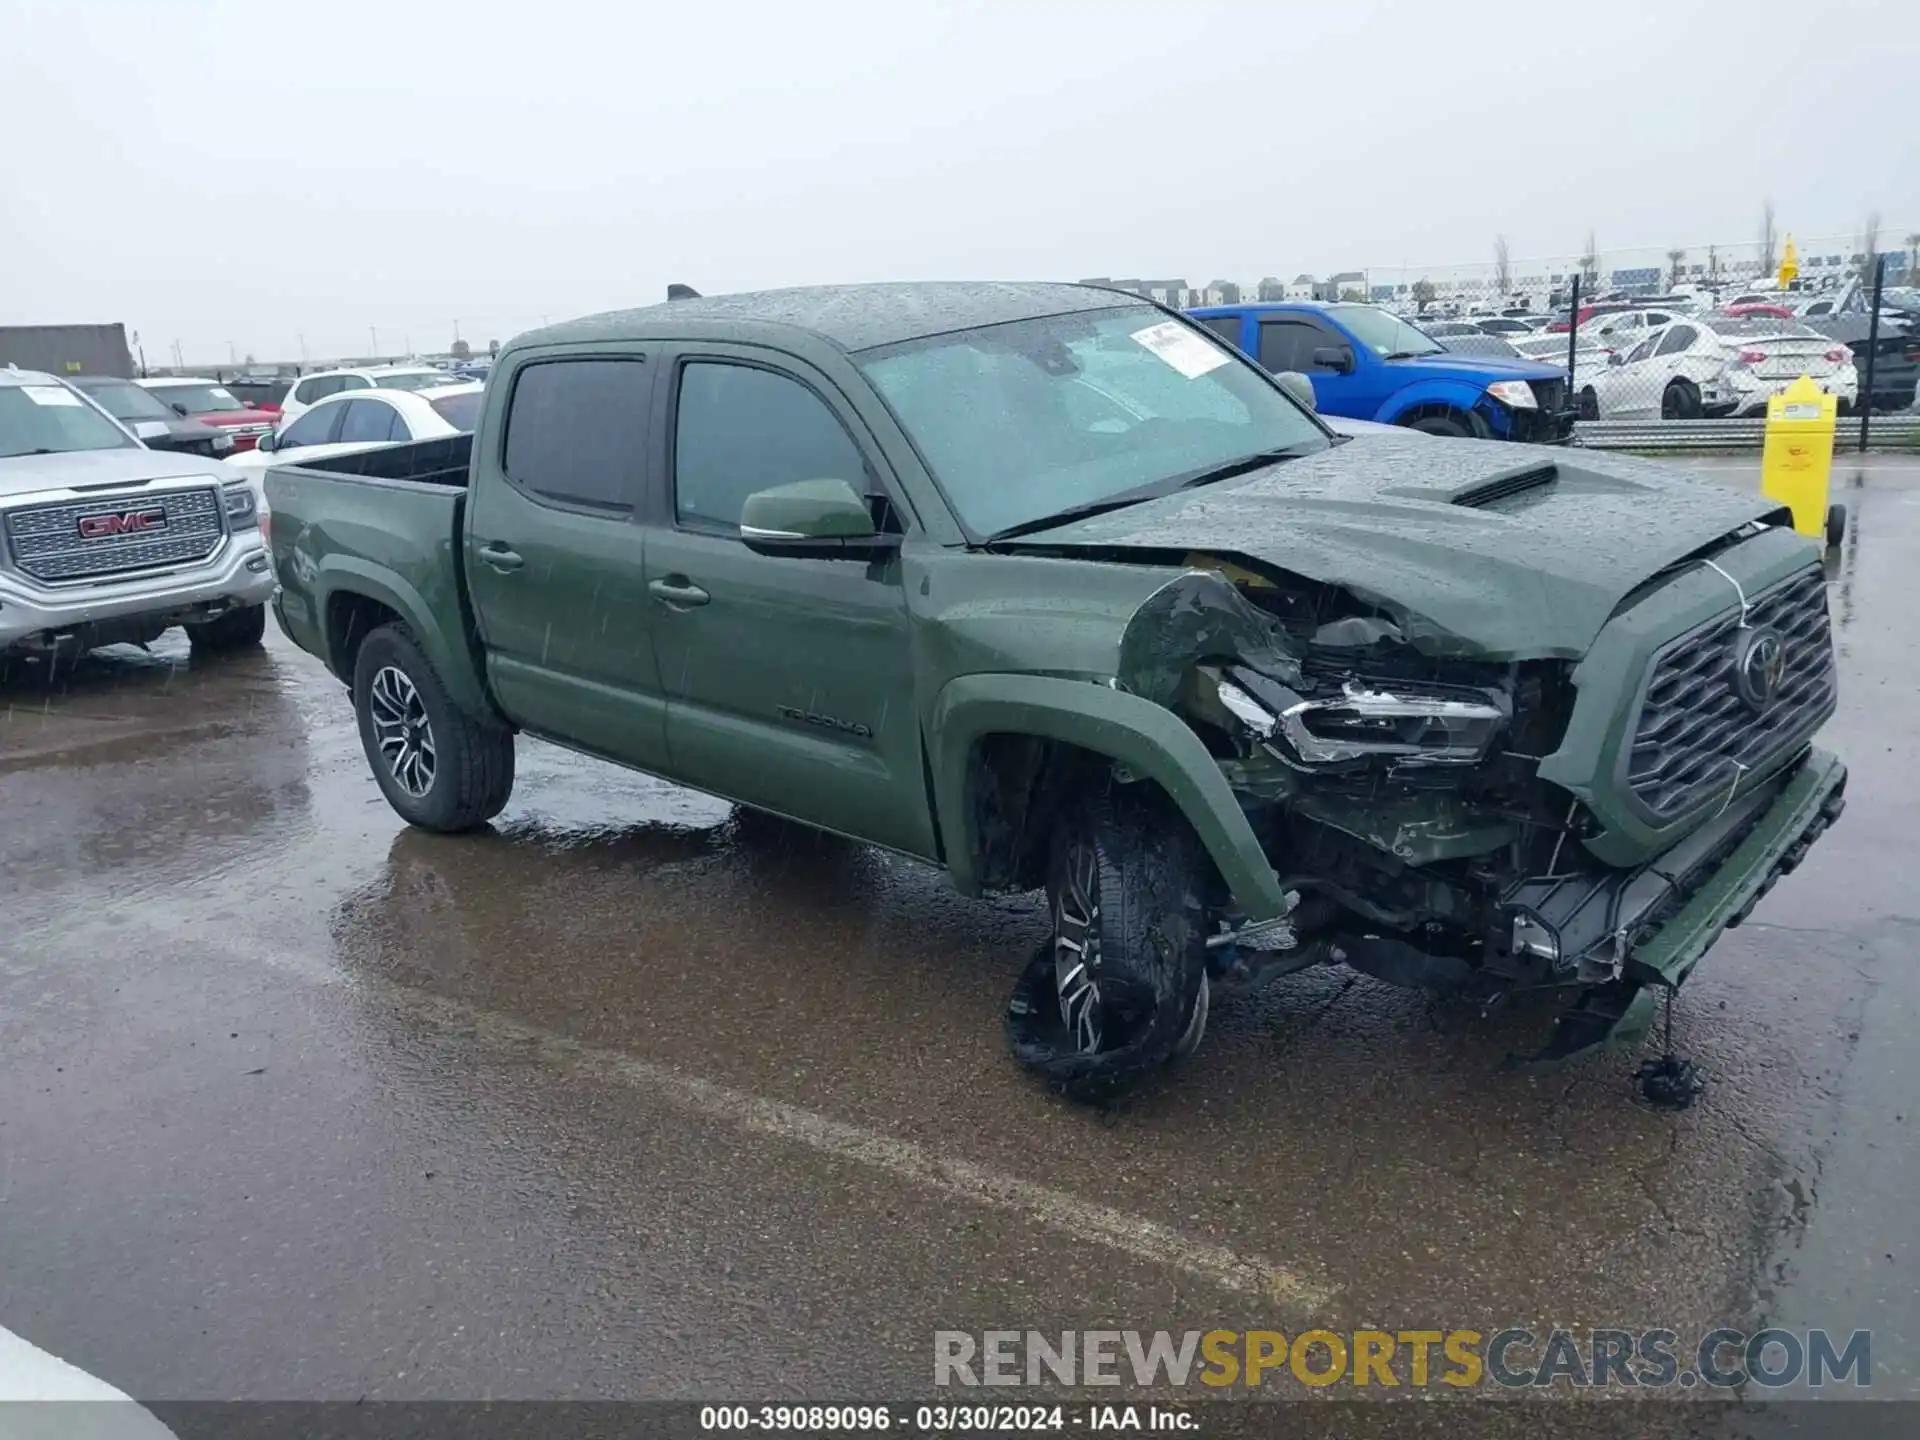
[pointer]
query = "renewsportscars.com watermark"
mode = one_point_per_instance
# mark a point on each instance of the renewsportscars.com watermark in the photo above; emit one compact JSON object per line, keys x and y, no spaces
{"x":1513,"y":1358}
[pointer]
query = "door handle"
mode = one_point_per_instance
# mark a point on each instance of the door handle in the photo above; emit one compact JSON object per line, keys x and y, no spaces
{"x":501,"y":558}
{"x":677,"y":591}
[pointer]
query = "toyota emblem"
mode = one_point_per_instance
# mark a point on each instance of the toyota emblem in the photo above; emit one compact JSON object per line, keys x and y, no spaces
{"x":1759,"y":665}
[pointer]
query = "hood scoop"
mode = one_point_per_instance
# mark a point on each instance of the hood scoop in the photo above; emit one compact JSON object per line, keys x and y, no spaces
{"x":1505,"y":487}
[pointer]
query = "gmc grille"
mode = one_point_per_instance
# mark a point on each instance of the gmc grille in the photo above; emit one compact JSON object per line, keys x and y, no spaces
{"x":46,"y":543}
{"x":1696,"y":736}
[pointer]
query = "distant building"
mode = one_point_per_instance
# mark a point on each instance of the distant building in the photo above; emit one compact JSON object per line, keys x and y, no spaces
{"x":67,"y":349}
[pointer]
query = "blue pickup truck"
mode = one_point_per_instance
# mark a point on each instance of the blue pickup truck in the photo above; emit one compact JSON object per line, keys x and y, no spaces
{"x":1367,"y":364}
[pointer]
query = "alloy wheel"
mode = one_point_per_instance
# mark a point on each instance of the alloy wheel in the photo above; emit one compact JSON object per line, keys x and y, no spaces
{"x":401,"y":730}
{"x":1076,"y":947}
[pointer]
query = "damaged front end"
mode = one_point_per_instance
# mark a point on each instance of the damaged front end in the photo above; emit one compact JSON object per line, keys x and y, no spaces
{"x":1459,"y":822}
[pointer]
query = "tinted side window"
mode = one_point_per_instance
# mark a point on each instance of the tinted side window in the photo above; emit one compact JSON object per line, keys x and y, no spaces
{"x":1227,"y":327}
{"x":577,"y":431}
{"x":352,"y":382}
{"x":1642,"y":350}
{"x":739,"y":430}
{"x":1676,"y":339}
{"x":1286,"y":345}
{"x":316,"y":427}
{"x":369,"y":422}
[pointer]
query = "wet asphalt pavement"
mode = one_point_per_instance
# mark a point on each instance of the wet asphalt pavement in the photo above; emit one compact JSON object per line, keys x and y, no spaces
{"x":639,"y":1097}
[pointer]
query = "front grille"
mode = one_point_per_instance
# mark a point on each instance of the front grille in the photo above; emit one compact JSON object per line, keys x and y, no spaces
{"x":46,"y":540}
{"x":1696,"y":735}
{"x":1549,"y":395}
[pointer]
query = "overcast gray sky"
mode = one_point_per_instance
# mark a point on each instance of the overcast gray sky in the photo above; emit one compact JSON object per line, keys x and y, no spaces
{"x":261,"y":172}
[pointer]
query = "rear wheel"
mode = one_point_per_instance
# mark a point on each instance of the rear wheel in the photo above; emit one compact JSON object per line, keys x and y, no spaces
{"x":1680,"y":401}
{"x":1589,"y":404}
{"x":234,"y":630}
{"x":1121,"y":986}
{"x":1836,"y":524}
{"x":440,"y":768}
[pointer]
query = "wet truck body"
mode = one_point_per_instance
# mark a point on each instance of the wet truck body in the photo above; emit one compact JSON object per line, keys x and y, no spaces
{"x":1046,"y":586}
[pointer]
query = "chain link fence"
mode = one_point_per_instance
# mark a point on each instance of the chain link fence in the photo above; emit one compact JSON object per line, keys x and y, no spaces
{"x":1674,"y":348}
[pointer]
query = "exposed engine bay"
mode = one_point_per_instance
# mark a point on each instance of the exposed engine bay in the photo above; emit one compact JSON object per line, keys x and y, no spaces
{"x":1397,"y":793}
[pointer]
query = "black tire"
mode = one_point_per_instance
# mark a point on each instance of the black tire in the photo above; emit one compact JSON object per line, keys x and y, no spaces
{"x":467,"y":773}
{"x":1137,"y":872}
{"x":1589,"y":404}
{"x":1440,"y":425}
{"x":235,"y":630}
{"x":1836,"y":525}
{"x":1680,"y":401}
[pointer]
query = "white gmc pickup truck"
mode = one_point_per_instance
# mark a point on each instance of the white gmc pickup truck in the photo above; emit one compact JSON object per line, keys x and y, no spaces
{"x":103,"y":541}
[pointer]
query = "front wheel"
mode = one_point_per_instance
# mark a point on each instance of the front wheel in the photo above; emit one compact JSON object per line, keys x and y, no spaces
{"x":1589,"y":404}
{"x":1121,"y":986}
{"x":1440,"y":425}
{"x":439,"y":767}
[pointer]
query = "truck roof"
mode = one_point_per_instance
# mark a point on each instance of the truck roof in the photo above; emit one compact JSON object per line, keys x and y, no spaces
{"x":852,"y":317}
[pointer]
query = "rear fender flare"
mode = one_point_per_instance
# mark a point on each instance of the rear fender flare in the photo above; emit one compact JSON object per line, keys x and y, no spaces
{"x":1149,"y":740}
{"x":347,"y":574}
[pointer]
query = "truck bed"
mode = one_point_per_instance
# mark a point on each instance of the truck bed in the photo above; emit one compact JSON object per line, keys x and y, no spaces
{"x":379,"y":527}
{"x":424,"y":462}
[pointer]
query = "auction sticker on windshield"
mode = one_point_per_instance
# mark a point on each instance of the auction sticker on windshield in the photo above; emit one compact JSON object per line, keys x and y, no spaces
{"x":1185,"y":351}
{"x":50,"y":395}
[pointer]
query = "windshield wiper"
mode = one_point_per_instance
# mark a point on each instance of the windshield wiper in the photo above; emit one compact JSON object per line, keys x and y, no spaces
{"x":43,"y":450}
{"x":1245,"y":464}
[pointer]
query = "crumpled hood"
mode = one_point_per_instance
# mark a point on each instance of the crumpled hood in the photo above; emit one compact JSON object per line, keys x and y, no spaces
{"x":23,"y":474}
{"x":1532,"y":575}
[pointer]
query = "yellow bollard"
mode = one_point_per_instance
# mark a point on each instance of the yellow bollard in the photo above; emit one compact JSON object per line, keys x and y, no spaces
{"x":1797,"y":464}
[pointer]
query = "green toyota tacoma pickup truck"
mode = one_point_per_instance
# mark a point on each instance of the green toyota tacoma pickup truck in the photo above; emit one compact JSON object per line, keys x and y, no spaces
{"x":1045,"y":585}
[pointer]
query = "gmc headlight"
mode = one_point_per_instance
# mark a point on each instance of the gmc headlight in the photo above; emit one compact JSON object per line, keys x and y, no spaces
{"x":241,"y":510}
{"x":1517,"y":393}
{"x":1417,"y":724}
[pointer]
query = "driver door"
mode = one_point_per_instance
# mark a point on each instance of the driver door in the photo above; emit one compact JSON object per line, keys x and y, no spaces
{"x":789,"y":680}
{"x":1632,"y":388}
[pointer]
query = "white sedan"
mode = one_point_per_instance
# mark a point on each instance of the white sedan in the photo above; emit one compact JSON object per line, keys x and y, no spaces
{"x":1721,"y":365}
{"x":364,"y":420}
{"x":310,"y":390}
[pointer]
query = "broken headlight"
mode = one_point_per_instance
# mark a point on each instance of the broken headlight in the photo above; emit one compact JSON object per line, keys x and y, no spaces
{"x":1413,"y":723}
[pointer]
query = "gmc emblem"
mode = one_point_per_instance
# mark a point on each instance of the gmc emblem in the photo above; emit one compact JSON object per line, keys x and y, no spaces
{"x":122,"y":522}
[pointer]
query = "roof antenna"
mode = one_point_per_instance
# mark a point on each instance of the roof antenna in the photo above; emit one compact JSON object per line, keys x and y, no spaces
{"x":682,"y":292}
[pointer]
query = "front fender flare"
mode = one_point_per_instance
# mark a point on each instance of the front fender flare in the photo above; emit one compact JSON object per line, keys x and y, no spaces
{"x":1150,"y":740}
{"x":347,"y":574}
{"x":1457,"y":393}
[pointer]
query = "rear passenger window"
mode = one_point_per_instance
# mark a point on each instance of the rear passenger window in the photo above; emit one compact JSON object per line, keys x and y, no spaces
{"x":369,"y":422}
{"x":1227,"y":327}
{"x":739,"y":430}
{"x":577,"y":432}
{"x":1675,"y":340}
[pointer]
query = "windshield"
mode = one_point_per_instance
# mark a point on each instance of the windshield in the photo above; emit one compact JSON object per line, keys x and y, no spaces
{"x":1382,"y":333}
{"x":51,"y":419}
{"x":411,"y":380}
{"x":127,"y":401}
{"x":207,"y":399}
{"x":460,"y":411}
{"x":1027,"y":419}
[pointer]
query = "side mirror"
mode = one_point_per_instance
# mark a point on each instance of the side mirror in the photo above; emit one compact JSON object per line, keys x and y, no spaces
{"x":824,"y":519}
{"x":1614,"y":357}
{"x":249,"y":405}
{"x":1299,"y":387}
{"x":265,"y":443}
{"x":1336,"y":358}
{"x":177,"y":408}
